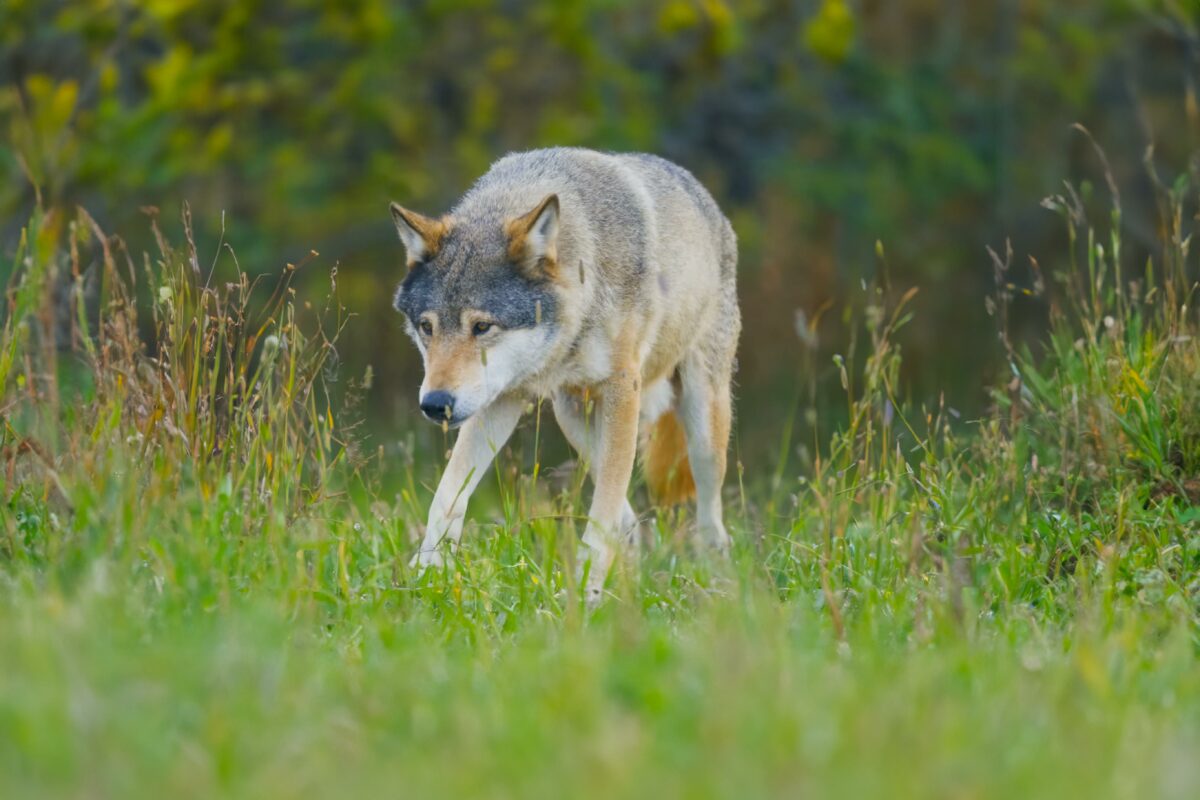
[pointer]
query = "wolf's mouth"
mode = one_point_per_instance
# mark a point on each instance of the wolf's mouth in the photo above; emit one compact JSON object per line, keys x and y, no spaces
{"x":454,"y":423}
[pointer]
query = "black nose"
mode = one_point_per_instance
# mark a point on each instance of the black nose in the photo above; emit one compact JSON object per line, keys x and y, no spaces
{"x":438,"y":406}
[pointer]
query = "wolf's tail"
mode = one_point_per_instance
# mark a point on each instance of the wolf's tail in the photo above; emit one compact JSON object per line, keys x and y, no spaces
{"x":664,"y":455}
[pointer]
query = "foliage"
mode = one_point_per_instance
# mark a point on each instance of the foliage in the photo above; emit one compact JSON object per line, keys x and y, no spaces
{"x":204,"y":590}
{"x":821,"y":126}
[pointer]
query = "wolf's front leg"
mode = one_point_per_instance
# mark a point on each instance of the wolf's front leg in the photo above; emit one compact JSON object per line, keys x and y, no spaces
{"x":611,"y":470}
{"x":480,"y":439}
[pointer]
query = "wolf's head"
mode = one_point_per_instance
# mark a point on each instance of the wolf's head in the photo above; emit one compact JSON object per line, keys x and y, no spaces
{"x":480,"y":303}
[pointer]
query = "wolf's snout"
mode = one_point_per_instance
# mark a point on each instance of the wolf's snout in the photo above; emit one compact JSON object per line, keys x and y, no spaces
{"x":438,"y":406}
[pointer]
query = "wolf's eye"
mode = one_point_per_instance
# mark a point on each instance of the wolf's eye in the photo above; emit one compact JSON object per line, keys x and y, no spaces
{"x":426,"y":327}
{"x":480,"y":328}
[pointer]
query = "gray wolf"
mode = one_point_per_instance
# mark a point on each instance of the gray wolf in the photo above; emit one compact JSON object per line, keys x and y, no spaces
{"x":605,"y":282}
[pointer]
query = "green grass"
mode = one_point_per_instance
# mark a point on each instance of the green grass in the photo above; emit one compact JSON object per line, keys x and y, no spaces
{"x":204,"y":590}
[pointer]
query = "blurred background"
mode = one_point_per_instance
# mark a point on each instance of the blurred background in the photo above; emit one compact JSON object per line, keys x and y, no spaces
{"x":823,"y":127}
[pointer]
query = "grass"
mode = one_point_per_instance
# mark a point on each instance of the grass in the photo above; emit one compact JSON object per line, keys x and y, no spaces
{"x":204,"y":590}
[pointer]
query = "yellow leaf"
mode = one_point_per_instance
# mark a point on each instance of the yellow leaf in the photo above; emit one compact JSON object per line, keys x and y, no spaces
{"x":830,"y":34}
{"x":678,"y":16}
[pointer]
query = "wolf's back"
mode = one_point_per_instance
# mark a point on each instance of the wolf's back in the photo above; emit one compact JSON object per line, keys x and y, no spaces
{"x":616,"y":207}
{"x":684,"y":209}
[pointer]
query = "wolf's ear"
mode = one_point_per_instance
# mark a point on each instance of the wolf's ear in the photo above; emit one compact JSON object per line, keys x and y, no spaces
{"x":421,"y":235}
{"x":533,"y":239}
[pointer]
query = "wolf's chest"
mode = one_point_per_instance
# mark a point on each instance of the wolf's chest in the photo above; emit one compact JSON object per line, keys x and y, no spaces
{"x":585,"y":362}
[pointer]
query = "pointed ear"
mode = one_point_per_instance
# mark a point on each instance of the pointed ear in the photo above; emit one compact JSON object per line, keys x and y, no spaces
{"x":421,"y":235}
{"x":533,"y":239}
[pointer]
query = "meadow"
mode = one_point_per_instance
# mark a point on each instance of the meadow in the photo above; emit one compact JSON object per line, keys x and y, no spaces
{"x":204,"y":587}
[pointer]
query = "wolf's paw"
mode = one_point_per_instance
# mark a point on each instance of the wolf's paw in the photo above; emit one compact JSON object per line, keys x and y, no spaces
{"x":593,"y":597}
{"x":716,"y":540}
{"x":424,"y":559}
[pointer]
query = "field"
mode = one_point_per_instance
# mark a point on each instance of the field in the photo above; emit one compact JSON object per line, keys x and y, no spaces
{"x":204,"y":587}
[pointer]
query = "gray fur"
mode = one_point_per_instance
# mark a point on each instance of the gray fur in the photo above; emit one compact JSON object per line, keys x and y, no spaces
{"x":645,"y":278}
{"x":457,"y":281}
{"x":619,"y":213}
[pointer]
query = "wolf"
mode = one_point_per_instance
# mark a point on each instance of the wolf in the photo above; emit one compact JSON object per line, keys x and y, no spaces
{"x":605,"y":282}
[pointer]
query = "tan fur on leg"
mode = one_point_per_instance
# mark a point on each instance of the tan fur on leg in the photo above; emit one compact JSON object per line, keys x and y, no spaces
{"x":618,"y":404}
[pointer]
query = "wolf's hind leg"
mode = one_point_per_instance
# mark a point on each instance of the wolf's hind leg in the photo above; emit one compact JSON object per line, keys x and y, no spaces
{"x":705,"y":406}
{"x":580,"y":433}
